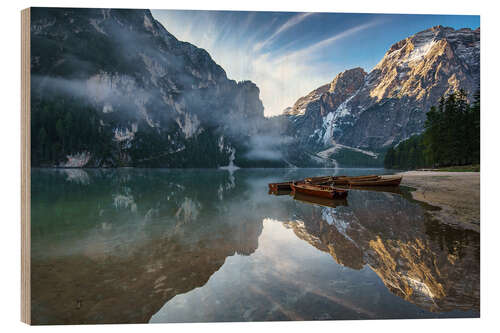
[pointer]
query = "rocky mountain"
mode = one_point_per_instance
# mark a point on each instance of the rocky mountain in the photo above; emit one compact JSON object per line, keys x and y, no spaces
{"x":112,"y":87}
{"x":361,"y":113}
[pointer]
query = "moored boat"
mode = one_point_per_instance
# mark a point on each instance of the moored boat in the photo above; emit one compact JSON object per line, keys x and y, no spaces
{"x":381,"y":181}
{"x":323,"y":180}
{"x":319,"y":190}
{"x":344,"y":180}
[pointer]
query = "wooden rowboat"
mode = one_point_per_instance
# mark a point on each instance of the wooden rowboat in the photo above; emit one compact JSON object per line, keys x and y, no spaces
{"x":382,"y":181}
{"x":338,"y":180}
{"x":324,"y":180}
{"x":319,"y":190}
{"x":280,"y":192}
{"x":344,"y":180}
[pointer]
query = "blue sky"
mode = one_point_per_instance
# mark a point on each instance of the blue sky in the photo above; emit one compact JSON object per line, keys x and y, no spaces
{"x":289,"y":54}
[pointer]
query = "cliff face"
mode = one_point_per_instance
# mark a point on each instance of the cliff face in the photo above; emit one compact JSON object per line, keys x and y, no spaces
{"x":148,"y":99}
{"x":375,"y":110}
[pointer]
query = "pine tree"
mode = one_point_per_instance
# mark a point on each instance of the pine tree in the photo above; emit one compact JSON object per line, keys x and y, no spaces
{"x":42,"y":144}
{"x":451,"y":136}
{"x":389,"y":158}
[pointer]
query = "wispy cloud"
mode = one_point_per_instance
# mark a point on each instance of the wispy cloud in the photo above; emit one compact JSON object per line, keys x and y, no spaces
{"x":247,"y":52}
{"x":293,"y":21}
{"x":309,"y":50}
{"x":285,"y":78}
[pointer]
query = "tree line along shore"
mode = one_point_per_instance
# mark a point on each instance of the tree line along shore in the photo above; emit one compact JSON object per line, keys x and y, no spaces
{"x":450,"y":140}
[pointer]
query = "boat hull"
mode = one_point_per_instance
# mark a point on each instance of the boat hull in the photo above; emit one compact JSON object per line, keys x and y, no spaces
{"x":279,"y":192}
{"x":344,"y":180}
{"x":392,"y":181}
{"x":319,"y":180}
{"x":318,"y":192}
{"x":284,"y":186}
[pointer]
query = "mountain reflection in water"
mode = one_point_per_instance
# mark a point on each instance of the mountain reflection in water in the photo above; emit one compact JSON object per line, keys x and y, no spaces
{"x":137,"y":245}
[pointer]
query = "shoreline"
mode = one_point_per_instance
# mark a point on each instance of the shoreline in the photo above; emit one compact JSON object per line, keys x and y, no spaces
{"x":456,"y":193}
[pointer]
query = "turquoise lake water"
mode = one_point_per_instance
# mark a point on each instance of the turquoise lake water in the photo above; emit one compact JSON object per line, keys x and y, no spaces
{"x":156,"y":245}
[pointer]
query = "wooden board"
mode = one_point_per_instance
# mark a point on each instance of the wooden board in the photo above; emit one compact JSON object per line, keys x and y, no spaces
{"x":25,"y":169}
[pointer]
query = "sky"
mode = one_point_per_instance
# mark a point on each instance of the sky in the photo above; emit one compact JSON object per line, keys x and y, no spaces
{"x":290,"y":54}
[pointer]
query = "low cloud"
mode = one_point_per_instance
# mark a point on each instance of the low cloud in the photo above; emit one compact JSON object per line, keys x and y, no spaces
{"x":267,"y":147}
{"x":115,"y":90}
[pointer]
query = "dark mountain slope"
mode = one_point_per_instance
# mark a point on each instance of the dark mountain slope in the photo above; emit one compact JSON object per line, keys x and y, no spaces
{"x":112,"y":87}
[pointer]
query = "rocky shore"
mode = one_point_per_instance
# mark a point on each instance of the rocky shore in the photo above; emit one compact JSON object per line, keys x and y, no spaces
{"x":456,"y":193}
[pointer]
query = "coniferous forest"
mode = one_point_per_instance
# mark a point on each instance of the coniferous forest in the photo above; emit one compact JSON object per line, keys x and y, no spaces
{"x":63,"y":126}
{"x":451,"y":137}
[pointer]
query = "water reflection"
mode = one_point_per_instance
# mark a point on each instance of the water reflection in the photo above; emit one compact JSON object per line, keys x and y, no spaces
{"x":131,"y":245}
{"x":432,"y":265}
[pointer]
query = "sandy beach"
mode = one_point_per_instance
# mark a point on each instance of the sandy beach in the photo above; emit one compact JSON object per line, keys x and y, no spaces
{"x":456,"y":193}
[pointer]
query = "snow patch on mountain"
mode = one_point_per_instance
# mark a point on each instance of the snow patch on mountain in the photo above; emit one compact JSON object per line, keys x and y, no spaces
{"x":330,"y":121}
{"x":419,"y":52}
{"x":328,"y":127}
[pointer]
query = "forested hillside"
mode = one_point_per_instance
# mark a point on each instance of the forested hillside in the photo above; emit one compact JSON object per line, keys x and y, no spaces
{"x":112,"y":87}
{"x":451,"y":136}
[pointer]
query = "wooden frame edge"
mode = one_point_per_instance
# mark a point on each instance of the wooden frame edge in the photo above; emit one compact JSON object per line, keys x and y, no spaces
{"x":25,"y":167}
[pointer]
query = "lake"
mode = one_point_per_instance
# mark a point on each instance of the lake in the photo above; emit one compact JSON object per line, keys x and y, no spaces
{"x":157,"y":245}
